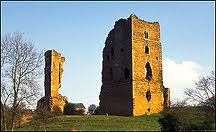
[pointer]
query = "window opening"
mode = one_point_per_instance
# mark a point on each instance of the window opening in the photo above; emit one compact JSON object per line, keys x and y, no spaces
{"x":112,"y":52}
{"x":126,"y":73}
{"x":111,"y":74}
{"x":122,"y":50}
{"x":148,"y":95}
{"x":146,"y":34}
{"x":148,"y":71}
{"x":107,"y":57}
{"x":146,"y":49}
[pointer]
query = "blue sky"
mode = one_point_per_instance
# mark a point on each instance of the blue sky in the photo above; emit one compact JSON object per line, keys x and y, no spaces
{"x":78,"y":31}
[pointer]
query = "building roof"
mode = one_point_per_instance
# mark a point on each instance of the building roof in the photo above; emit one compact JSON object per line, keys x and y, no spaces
{"x":79,"y":105}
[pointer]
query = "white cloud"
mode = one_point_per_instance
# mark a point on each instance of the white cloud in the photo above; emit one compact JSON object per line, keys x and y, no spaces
{"x":178,"y":77}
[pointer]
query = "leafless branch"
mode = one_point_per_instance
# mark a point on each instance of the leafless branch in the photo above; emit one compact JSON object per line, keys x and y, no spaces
{"x":20,"y":68}
{"x":204,"y":92}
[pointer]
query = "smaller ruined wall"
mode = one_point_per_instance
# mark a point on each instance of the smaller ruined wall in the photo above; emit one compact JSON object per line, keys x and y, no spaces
{"x":167,"y":99}
{"x":56,"y":72}
{"x":53,"y":75}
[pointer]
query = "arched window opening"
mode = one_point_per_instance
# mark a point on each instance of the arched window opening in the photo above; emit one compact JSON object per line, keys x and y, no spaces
{"x":148,"y":95}
{"x":126,"y":73}
{"x":146,"y":49}
{"x":111,"y":74}
{"x":148,"y":71}
{"x":146,"y":34}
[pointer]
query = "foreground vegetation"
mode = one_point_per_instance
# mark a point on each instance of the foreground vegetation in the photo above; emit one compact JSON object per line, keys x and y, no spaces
{"x":95,"y":122}
{"x":188,"y":118}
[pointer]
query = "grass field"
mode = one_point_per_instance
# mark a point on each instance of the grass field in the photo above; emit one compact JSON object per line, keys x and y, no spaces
{"x":96,"y":122}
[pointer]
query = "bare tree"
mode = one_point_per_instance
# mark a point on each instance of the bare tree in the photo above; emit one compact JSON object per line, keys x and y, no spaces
{"x":5,"y":92}
{"x":20,"y":71}
{"x":178,"y":103}
{"x":204,"y":92}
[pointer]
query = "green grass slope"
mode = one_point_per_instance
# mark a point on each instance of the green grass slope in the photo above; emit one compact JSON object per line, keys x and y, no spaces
{"x":96,"y":122}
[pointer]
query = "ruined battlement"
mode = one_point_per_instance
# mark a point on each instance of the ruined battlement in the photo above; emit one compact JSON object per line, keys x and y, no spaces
{"x":136,"y":17}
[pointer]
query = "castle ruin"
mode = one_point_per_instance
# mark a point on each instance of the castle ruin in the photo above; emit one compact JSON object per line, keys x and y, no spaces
{"x":132,"y":82}
{"x":53,"y":76}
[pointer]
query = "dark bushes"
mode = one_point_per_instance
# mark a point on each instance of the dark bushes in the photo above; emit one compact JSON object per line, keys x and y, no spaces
{"x":169,"y":122}
{"x":186,"y":118}
{"x":69,"y":109}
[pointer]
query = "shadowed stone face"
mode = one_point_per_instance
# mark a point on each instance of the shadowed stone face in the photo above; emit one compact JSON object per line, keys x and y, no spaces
{"x":132,"y":69}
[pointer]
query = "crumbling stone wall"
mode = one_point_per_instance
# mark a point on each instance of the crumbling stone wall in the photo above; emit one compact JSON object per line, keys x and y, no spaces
{"x":116,"y":91}
{"x":132,"y":81}
{"x":167,"y":99}
{"x":53,"y":75}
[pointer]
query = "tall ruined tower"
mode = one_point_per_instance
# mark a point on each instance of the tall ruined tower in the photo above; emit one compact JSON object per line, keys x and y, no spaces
{"x":53,"y":74}
{"x":132,"y":69}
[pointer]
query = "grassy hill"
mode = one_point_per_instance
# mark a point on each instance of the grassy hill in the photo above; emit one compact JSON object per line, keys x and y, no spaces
{"x":96,"y":122}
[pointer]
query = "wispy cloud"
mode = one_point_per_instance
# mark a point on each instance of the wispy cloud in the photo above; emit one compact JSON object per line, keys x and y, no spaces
{"x":180,"y":76}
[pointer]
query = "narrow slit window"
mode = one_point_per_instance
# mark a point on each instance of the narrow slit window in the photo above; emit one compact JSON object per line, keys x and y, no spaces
{"x":112,"y":52}
{"x":148,"y":95}
{"x":146,"y":34}
{"x":122,"y":50}
{"x":126,"y":73}
{"x":107,"y":57}
{"x":156,"y":59}
{"x":111,"y":74}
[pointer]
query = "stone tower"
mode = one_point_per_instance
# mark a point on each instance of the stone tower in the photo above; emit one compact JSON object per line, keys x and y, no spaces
{"x":132,"y":69}
{"x":53,"y":74}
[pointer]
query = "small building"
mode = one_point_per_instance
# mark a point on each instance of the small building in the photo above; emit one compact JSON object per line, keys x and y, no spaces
{"x":79,"y":107}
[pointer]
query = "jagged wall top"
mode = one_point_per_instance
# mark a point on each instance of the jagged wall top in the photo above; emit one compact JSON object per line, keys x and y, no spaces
{"x":122,"y":21}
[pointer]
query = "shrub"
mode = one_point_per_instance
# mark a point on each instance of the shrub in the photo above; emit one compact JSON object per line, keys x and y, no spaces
{"x":69,"y":109}
{"x":56,"y":111}
{"x":185,"y":118}
{"x":92,"y":108}
{"x":169,"y":122}
{"x":97,"y":111}
{"x":41,"y":118}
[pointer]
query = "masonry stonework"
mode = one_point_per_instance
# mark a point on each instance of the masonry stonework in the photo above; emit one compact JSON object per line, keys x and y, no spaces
{"x":167,"y":99}
{"x":132,"y":81}
{"x":53,"y":75}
